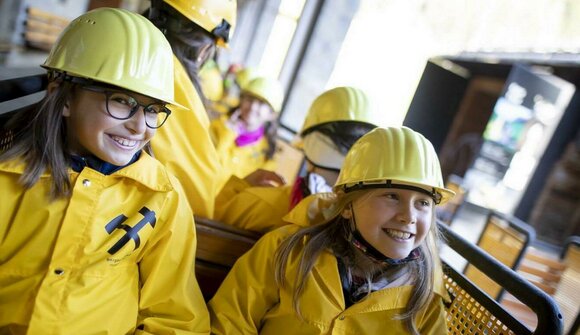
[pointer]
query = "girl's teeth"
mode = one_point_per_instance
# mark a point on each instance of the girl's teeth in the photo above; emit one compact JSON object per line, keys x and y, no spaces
{"x":398,"y":234}
{"x":124,"y":142}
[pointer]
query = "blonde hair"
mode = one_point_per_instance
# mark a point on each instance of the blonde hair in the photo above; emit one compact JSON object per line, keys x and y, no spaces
{"x":330,"y":231}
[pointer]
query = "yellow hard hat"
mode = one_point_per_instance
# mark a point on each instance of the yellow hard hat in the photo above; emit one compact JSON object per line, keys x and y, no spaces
{"x":211,"y":81}
{"x":218,"y":17}
{"x":116,"y":47}
{"x":266,"y":89}
{"x":338,"y":104}
{"x":245,"y":75}
{"x":397,"y":157}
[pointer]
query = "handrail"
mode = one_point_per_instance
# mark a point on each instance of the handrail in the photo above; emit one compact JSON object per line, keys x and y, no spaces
{"x":548,"y":314}
{"x":520,"y":227}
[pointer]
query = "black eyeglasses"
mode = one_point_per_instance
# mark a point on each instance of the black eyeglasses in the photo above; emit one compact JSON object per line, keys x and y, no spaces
{"x":122,"y":106}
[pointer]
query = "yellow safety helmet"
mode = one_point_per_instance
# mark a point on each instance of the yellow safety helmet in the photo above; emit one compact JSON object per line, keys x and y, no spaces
{"x":336,"y":105}
{"x":218,"y":17}
{"x":245,"y":75}
{"x":266,"y":89}
{"x":396,"y":157}
{"x":211,"y":81}
{"x":116,"y":47}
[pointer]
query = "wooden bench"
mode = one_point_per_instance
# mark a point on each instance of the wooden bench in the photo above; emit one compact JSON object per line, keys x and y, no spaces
{"x":473,"y":311}
{"x":42,"y":28}
{"x":505,"y":238}
{"x":218,"y":247}
{"x":559,"y":278}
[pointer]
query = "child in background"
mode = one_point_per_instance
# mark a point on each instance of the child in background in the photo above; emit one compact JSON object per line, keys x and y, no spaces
{"x":194,"y":29}
{"x":361,"y":260}
{"x":245,"y":139}
{"x":96,"y":237}
{"x":335,"y":120}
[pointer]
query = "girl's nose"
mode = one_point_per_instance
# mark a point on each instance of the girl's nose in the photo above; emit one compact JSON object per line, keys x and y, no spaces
{"x":137,"y":123}
{"x":255,"y":105}
{"x":406,"y":214}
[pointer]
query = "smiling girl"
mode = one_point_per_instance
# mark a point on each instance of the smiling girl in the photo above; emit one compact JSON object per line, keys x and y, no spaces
{"x":95,"y":236}
{"x":360,"y":260}
{"x":245,"y":139}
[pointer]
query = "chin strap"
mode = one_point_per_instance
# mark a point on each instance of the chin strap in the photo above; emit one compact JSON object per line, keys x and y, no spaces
{"x":376,"y":256}
{"x":359,"y":242}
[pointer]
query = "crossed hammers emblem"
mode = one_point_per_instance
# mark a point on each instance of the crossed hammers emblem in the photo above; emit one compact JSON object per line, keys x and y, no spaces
{"x":132,"y":233}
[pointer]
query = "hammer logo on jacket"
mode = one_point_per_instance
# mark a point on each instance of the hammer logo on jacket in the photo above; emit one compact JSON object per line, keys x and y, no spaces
{"x":132,"y":233}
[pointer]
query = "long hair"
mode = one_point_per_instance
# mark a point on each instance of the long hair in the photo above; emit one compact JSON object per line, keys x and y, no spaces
{"x":187,"y":45}
{"x":270,"y":131}
{"x":39,"y":139}
{"x":330,"y":233}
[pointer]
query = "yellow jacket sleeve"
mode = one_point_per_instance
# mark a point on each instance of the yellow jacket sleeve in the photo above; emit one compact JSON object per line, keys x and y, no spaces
{"x":237,"y":160}
{"x":171,"y":301}
{"x":253,"y":208}
{"x":249,"y":290}
{"x":183,"y":144}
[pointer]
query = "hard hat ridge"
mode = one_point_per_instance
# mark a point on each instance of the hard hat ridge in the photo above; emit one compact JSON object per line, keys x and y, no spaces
{"x":267,"y":89}
{"x":394,"y":157}
{"x":340,"y":104}
{"x":116,"y":47}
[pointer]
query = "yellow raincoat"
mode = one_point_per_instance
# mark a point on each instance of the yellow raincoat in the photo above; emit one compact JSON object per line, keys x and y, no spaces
{"x":183,"y":144}
{"x":260,"y":209}
{"x":235,"y":160}
{"x":250,"y":302}
{"x":115,"y":258}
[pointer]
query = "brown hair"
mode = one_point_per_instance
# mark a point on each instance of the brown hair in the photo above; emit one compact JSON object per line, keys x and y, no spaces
{"x":40,"y":141}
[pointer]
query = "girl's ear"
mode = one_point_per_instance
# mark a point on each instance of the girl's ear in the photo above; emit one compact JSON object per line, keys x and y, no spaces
{"x":65,"y":110}
{"x":53,"y":85}
{"x":346,"y":213}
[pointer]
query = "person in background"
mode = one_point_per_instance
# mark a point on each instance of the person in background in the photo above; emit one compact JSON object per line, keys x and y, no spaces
{"x":335,"y":121}
{"x":235,"y":77}
{"x":212,"y":86}
{"x":193,"y":28}
{"x":95,"y":235}
{"x":245,"y":139}
{"x":363,"y":260}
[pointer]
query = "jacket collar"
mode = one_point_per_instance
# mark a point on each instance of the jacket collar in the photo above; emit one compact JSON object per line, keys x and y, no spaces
{"x":310,"y":209}
{"x":146,"y":171}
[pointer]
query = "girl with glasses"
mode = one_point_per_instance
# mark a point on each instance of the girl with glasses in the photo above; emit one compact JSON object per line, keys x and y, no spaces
{"x":95,"y":235}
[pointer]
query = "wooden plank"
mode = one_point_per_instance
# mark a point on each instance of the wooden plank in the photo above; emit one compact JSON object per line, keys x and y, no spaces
{"x":48,"y":17}
{"x":222,"y":244}
{"x":544,"y":275}
{"x":41,"y":26}
{"x":551,"y":263}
